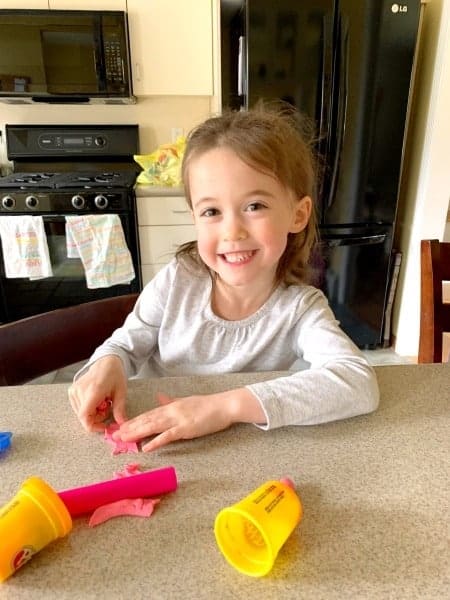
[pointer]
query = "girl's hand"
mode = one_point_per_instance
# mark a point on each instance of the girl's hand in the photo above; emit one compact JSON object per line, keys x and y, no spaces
{"x":102,"y":388}
{"x":190,"y":417}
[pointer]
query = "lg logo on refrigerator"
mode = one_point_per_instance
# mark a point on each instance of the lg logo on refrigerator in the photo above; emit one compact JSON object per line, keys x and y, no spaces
{"x":399,"y":8}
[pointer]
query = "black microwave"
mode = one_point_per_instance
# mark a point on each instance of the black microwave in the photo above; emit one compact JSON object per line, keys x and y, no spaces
{"x":64,"y":56}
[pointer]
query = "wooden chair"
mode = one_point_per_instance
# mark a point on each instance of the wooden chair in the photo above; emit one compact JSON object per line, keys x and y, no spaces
{"x":434,"y":313}
{"x":46,"y":342}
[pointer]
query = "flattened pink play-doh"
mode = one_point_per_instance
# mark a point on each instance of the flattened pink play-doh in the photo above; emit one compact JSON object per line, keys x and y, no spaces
{"x":128,"y":470}
{"x":136,"y":507}
{"x":119,"y":447}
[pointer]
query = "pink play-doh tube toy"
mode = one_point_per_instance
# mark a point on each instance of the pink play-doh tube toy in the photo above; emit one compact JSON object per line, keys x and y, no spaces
{"x":85,"y":499}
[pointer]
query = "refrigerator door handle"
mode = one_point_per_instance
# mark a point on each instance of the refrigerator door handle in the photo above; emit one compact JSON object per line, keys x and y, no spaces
{"x":352,"y":239}
{"x":241,"y":67}
{"x":340,"y":97}
{"x":324,"y":94}
{"x":325,"y":77}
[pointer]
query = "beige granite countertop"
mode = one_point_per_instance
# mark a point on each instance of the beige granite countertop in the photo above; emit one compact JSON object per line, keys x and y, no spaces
{"x":375,"y":491}
{"x":142,"y":190}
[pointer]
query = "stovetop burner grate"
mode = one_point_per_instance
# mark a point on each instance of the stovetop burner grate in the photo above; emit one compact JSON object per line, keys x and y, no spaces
{"x":27,"y":180}
{"x":91,"y":179}
{"x":71,"y":180}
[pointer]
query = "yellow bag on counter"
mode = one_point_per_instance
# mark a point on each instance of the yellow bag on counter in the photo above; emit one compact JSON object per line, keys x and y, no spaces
{"x":163,"y":166}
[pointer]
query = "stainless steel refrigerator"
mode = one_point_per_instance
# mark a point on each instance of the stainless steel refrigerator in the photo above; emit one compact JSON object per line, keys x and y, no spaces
{"x":348,"y":65}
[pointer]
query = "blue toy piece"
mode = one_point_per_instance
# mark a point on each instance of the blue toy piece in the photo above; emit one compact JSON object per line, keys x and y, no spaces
{"x":5,"y":440}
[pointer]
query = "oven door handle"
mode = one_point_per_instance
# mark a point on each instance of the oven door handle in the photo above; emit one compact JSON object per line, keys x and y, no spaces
{"x":53,"y":218}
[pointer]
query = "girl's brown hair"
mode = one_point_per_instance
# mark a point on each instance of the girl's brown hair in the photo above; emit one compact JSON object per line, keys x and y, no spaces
{"x":276,"y":140}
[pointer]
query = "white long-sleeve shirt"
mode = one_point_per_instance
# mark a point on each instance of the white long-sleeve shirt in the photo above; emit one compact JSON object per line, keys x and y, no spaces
{"x":173,"y":331}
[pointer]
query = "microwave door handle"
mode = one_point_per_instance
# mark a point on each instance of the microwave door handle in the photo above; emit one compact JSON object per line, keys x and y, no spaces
{"x":99,"y":70}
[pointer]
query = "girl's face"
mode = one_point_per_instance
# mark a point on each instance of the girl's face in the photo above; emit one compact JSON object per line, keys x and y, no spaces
{"x":242,"y":217}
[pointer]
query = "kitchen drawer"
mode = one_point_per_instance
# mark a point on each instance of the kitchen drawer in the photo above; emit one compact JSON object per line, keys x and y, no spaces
{"x":159,"y":244}
{"x":163,"y":210}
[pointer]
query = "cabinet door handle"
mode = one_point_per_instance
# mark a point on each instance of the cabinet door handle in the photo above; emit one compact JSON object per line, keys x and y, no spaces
{"x":137,"y":71}
{"x":180,"y":212}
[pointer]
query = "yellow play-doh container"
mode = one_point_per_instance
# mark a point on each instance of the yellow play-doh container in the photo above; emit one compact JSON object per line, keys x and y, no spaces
{"x":32,"y":519}
{"x":251,"y":532}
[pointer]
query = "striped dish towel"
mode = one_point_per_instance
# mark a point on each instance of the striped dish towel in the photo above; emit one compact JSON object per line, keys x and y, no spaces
{"x":100,"y":243}
{"x":25,"y":248}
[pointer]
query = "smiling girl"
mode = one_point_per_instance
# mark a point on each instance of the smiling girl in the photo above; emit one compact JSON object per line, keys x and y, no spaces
{"x":237,"y":299}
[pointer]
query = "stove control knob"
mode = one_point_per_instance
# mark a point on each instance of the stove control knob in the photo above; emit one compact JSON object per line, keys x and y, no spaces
{"x":31,"y":201}
{"x":100,"y":141}
{"x":101,"y":201}
{"x":78,"y":201}
{"x":8,"y":202}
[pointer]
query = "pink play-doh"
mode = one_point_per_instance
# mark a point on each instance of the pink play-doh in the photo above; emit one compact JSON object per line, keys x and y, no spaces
{"x":119,"y":447}
{"x":135,"y":507}
{"x":150,"y":483}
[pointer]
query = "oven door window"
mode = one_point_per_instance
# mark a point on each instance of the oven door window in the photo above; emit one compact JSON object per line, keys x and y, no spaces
{"x":22,"y":297}
{"x":63,"y":268}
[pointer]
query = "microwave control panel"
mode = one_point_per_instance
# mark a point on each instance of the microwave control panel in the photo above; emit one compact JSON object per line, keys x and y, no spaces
{"x":114,"y":61}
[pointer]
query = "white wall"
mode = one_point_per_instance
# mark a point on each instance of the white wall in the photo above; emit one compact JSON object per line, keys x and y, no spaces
{"x":424,"y":196}
{"x":155,"y":115}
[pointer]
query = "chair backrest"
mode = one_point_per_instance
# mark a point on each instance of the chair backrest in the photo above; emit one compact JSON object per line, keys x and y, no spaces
{"x":434,"y":313}
{"x":46,"y":342}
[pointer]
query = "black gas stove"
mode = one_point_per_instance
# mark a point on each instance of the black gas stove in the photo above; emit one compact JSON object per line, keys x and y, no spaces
{"x":60,"y":171}
{"x":72,"y":192}
{"x":69,"y":168}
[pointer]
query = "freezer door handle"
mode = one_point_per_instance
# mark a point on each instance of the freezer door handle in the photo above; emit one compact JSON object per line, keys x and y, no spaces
{"x":326,"y":75}
{"x":340,"y":100}
{"x":325,"y":81}
{"x":352,"y":239}
{"x":241,"y":67}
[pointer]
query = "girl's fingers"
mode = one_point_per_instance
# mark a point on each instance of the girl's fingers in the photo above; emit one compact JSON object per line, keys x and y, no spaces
{"x":137,"y":428}
{"x":96,"y":426}
{"x":163,"y":399}
{"x":119,"y":411}
{"x":90,"y":421}
{"x":171,"y":435}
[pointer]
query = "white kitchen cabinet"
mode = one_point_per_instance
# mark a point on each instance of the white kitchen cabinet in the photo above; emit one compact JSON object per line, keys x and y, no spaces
{"x":88,"y":4}
{"x":66,"y":4}
{"x":165,"y":223}
{"x":171,"y":47}
{"x":163,"y":210}
{"x":159,"y":244}
{"x":34,"y":4}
